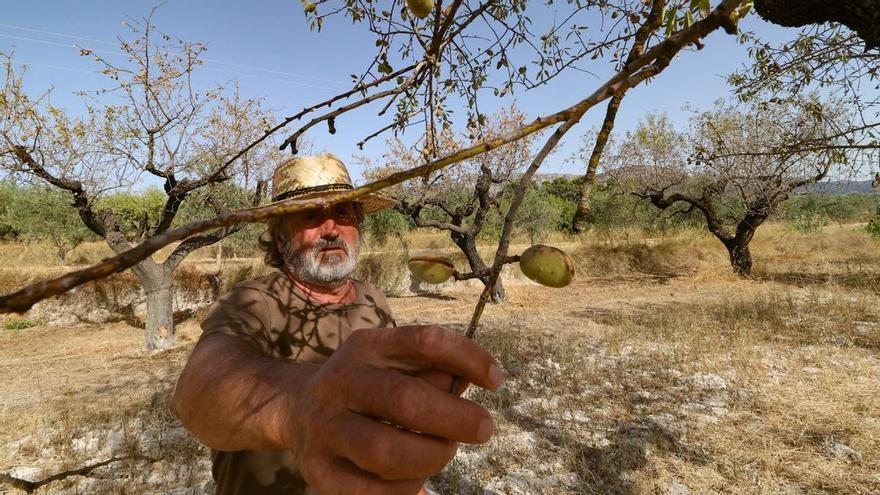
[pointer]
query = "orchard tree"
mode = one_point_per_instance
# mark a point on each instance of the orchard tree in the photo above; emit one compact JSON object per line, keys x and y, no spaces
{"x":463,"y":199}
{"x":737,"y":164}
{"x":38,"y":213}
{"x":150,"y":122}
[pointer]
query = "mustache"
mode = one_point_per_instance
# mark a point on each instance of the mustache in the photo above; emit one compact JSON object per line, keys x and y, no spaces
{"x":322,"y":243}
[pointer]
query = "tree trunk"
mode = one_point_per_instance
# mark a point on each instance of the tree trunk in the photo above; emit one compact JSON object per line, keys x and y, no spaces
{"x":468,"y":246}
{"x":740,"y":256}
{"x":582,"y":214}
{"x":219,"y":256}
{"x":157,"y":282}
{"x":862,"y":16}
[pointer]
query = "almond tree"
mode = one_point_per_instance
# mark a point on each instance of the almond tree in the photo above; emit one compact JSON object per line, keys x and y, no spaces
{"x":737,"y":164}
{"x":150,"y":123}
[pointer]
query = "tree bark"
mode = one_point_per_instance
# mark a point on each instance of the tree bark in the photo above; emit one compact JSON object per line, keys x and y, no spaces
{"x":740,"y":256}
{"x":582,"y":214}
{"x":158,"y":284}
{"x":862,"y":16}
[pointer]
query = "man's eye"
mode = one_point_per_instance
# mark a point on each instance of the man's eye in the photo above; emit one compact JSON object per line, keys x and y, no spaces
{"x":346,"y":213}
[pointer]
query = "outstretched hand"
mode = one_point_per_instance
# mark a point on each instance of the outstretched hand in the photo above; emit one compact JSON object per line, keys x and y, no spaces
{"x":377,"y":417}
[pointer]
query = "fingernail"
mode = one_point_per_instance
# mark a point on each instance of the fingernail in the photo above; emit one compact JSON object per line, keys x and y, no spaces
{"x":484,"y":432}
{"x":496,"y":376}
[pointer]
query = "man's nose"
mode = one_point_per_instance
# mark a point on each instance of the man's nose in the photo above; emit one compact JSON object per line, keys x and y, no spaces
{"x":329,"y":227}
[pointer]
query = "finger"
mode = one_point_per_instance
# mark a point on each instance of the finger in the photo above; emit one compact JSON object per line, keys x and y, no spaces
{"x":415,"y":405}
{"x":392,"y":453}
{"x":342,"y":477}
{"x":420,"y":347}
{"x":440,"y":380}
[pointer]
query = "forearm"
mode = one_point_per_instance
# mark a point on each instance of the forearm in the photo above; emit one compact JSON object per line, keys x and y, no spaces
{"x":233,"y":398}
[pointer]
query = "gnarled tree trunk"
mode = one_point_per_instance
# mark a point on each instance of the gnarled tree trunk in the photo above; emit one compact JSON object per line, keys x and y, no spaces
{"x":740,"y":256}
{"x":468,"y":246}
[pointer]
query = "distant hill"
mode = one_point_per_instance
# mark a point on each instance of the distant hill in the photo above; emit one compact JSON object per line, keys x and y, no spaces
{"x":827,"y":187}
{"x":839,"y":187}
{"x":542,"y":178}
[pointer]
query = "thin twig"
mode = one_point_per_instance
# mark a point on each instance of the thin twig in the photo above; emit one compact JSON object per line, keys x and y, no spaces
{"x":329,"y":116}
{"x":501,"y":253}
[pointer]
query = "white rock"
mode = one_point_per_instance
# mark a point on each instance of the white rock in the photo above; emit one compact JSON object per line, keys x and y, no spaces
{"x":27,"y":473}
{"x":843,"y":451}
{"x":676,"y":488}
{"x":116,"y":441}
{"x":865,"y":327}
{"x":709,"y":381}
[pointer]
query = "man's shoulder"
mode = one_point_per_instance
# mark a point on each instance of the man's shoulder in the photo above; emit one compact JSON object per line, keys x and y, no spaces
{"x":367,"y":287}
{"x":371,"y":291}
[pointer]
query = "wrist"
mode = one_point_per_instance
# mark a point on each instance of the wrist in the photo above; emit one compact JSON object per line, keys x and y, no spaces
{"x":287,"y":420}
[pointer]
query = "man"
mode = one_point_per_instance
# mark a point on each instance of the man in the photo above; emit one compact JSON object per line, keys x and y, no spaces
{"x":302,"y":383}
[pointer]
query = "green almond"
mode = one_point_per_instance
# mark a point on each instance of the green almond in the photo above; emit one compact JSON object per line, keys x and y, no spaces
{"x":420,"y":8}
{"x":430,"y":269}
{"x":547,"y":265}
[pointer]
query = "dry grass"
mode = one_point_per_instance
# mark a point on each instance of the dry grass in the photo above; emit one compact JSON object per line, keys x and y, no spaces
{"x":657,"y":370}
{"x":753,"y":394}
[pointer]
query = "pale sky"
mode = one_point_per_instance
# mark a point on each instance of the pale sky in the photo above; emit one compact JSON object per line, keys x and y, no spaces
{"x":267,"y":48}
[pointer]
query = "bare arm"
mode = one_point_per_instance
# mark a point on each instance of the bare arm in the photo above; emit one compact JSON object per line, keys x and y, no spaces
{"x":335,"y":417}
{"x":233,"y":398}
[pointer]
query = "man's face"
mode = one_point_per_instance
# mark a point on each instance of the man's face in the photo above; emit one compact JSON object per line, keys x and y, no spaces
{"x":321,"y":246}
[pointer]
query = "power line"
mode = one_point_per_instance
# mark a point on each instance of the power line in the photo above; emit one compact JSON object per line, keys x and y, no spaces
{"x":120,"y":54}
{"x":53,"y":33}
{"x":224,"y":71}
{"x":57,"y":67}
{"x":213,"y":61}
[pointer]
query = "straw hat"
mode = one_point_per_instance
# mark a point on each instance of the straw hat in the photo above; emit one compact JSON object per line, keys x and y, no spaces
{"x":306,"y":177}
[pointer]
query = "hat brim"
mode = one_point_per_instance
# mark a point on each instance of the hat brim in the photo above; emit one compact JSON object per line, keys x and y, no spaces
{"x":371,"y":202}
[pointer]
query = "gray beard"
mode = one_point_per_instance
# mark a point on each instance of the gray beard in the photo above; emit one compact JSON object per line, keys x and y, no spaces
{"x":333,"y":271}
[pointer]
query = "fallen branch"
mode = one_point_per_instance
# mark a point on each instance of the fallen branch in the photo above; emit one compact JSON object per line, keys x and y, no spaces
{"x":31,"y":486}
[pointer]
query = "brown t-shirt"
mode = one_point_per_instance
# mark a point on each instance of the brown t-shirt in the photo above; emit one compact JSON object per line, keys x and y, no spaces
{"x":271,"y":314}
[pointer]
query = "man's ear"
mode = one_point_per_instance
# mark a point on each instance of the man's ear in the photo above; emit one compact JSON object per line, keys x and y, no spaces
{"x":280,"y":241}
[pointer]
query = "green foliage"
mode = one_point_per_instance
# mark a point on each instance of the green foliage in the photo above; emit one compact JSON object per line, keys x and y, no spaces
{"x":565,"y":212}
{"x":23,"y":323}
{"x":538,"y":215}
{"x":386,"y":224}
{"x":134,"y":211}
{"x":808,"y":222}
{"x":873,"y":227}
{"x":34,"y":213}
{"x":615,"y":209}
{"x":216,"y":199}
{"x":563,"y":188}
{"x":841,"y":208}
{"x":7,"y":193}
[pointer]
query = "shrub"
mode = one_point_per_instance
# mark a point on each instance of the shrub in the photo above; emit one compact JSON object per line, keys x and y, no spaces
{"x":873,"y":227}
{"x":808,"y":222}
{"x":23,"y":323}
{"x":385,"y":224}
